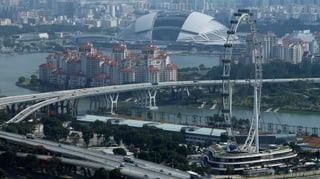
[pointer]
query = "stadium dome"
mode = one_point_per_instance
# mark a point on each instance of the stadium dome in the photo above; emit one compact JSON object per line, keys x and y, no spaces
{"x":176,"y":27}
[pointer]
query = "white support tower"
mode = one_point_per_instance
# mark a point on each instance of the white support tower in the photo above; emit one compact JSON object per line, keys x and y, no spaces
{"x":113,"y":101}
{"x":253,"y":134}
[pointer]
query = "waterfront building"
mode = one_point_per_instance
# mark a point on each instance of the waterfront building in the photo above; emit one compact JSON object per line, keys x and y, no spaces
{"x":58,"y":78}
{"x":45,"y":71}
{"x":268,"y":40}
{"x":31,"y":36}
{"x":77,"y":81}
{"x":311,"y":58}
{"x":193,"y":134}
{"x":88,"y":67}
{"x":270,"y":157}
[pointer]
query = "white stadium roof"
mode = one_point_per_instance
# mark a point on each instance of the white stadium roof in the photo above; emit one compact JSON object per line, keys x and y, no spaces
{"x":176,"y":27}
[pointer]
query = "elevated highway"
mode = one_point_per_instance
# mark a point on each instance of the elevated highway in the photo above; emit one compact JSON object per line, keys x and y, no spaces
{"x":44,"y":99}
{"x":95,"y":159}
{"x":92,"y":159}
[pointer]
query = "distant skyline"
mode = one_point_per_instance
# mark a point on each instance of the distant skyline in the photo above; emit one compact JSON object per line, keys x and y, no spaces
{"x":120,"y":13}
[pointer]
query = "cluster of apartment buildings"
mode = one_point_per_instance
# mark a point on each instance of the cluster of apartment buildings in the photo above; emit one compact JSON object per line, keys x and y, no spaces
{"x":292,"y":48}
{"x":88,"y":67}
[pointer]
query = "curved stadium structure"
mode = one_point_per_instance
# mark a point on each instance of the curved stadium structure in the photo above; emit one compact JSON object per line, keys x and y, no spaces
{"x":192,"y":27}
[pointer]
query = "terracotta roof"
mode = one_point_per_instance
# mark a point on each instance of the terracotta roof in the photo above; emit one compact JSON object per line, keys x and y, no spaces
{"x":152,"y":69}
{"x":80,"y":74}
{"x":120,"y":46}
{"x":171,"y":67}
{"x":86,"y":45}
{"x":58,"y":72}
{"x":102,"y":76}
{"x":127,"y":69}
{"x":113,"y":63}
{"x":312,"y":141}
{"x":96,"y":56}
{"x":47,"y":65}
{"x":150,"y":47}
{"x":74,"y":59}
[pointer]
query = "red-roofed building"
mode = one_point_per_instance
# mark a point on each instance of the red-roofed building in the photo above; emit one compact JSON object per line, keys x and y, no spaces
{"x":171,"y":72}
{"x":152,"y":74}
{"x":127,"y":75}
{"x":100,"y":80}
{"x":77,"y":80}
{"x":45,"y":71}
{"x":58,"y":78}
{"x":89,"y":67}
{"x":119,"y":52}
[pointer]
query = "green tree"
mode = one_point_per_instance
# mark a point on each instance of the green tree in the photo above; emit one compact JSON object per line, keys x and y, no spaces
{"x":115,"y":173}
{"x":8,"y":158}
{"x":75,"y":138}
{"x":2,"y":173}
{"x":87,"y":134}
{"x":53,"y":128}
{"x":8,"y":42}
{"x":21,"y":79}
{"x":34,"y":80}
{"x":20,"y":128}
{"x":53,"y":166}
{"x":119,"y":151}
{"x":100,"y":173}
{"x":31,"y":163}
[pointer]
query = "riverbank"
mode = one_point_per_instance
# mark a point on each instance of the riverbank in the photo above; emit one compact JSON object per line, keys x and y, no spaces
{"x":270,"y":109}
{"x":28,"y":86}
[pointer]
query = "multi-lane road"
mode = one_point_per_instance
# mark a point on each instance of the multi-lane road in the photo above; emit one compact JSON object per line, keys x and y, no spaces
{"x":97,"y":159}
{"x":138,"y":169}
{"x":44,"y":99}
{"x":78,"y":93}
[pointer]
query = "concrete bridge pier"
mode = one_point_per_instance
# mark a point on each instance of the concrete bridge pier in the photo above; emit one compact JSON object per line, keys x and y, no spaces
{"x":59,"y":107}
{"x":113,"y":98}
{"x":184,"y":93}
{"x":148,"y":99}
{"x":12,"y":109}
{"x":97,"y":102}
{"x":17,"y":107}
{"x":72,"y":107}
{"x":180,"y":93}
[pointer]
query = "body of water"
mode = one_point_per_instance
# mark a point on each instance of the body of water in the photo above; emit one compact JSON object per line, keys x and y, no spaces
{"x":12,"y":67}
{"x":280,"y":118}
{"x":183,"y":61}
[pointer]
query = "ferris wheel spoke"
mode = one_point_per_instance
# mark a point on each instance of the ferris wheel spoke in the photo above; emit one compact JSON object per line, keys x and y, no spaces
{"x":232,"y":40}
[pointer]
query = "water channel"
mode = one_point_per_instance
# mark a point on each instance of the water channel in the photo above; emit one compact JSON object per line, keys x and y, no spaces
{"x":12,"y":67}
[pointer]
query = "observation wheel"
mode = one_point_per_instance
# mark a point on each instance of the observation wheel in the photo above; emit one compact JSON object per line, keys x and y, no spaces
{"x":242,"y":16}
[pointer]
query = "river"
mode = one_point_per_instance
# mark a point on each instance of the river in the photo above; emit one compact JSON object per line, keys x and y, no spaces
{"x":12,"y":67}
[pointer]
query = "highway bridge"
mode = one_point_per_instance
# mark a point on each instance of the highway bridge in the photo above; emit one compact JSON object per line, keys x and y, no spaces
{"x":149,"y":91}
{"x":96,"y":159}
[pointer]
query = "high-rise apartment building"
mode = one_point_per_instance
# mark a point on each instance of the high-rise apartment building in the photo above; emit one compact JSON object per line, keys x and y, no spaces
{"x":89,"y":67}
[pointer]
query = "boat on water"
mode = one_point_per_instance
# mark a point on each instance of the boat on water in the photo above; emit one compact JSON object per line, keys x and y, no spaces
{"x":268,"y":110}
{"x":213,"y":106}
{"x":276,"y":110}
{"x":202,"y":105}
